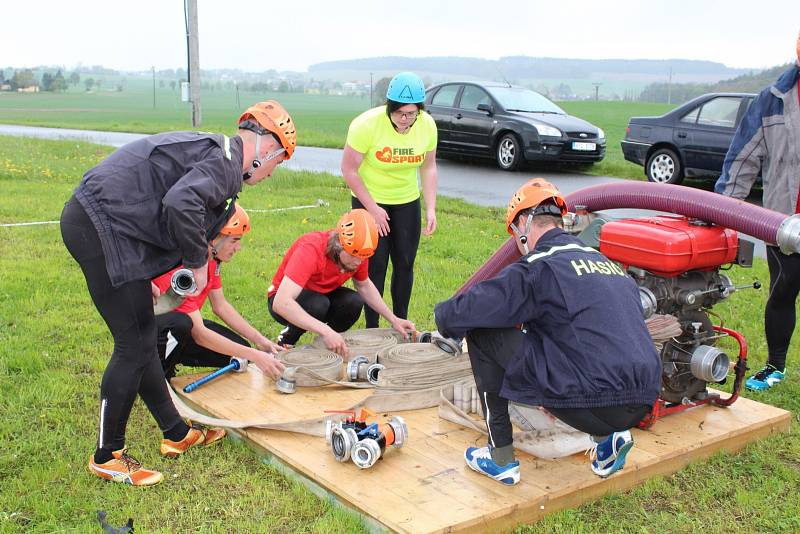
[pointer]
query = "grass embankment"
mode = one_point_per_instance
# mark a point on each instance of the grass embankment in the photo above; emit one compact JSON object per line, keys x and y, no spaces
{"x":321,"y":120}
{"x":54,"y":348}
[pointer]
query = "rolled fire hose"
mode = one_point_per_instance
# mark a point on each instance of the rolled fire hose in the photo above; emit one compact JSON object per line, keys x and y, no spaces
{"x":770,"y":226}
{"x":368,"y":342}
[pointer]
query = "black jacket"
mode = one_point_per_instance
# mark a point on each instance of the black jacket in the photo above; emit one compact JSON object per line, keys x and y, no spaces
{"x":154,"y":201}
{"x":586,"y":344}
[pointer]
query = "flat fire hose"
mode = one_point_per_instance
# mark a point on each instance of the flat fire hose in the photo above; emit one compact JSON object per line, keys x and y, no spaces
{"x":368,"y":342}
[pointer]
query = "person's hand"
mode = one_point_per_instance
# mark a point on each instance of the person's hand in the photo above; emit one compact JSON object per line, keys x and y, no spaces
{"x":268,"y":364}
{"x":200,"y":278}
{"x":430,"y":223}
{"x":381,"y":219}
{"x":268,"y":346}
{"x":334,"y":342}
{"x":405,"y":327}
{"x":156,"y":292}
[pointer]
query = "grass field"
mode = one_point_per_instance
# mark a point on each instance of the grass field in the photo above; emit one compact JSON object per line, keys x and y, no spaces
{"x":321,"y":120}
{"x":54,"y":347}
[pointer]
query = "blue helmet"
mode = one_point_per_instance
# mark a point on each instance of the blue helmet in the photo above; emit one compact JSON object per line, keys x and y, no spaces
{"x":406,"y":88}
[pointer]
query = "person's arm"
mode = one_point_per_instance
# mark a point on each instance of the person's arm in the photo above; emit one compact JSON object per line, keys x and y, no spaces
{"x":430,"y":175}
{"x":225,"y":311}
{"x":370,"y":294}
{"x":211,"y":340}
{"x":351,"y":162}
{"x":285,"y":304}
{"x":744,"y":159}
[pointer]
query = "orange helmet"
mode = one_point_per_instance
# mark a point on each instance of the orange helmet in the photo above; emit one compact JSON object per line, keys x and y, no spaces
{"x":238,"y":224}
{"x":272,"y":117}
{"x":531,"y":195}
{"x":358,"y":233}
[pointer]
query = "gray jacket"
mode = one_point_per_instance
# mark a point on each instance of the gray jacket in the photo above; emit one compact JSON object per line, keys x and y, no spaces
{"x":156,"y":202}
{"x":767,"y":142}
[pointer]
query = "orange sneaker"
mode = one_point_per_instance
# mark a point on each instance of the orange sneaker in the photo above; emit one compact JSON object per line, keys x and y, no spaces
{"x":126,"y":469}
{"x":198,"y":435}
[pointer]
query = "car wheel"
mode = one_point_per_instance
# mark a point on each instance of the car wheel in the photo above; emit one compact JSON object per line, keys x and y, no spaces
{"x":508,"y":153}
{"x":664,"y":167}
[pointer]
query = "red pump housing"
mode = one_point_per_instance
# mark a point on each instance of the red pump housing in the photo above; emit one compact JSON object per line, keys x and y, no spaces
{"x":668,"y":245}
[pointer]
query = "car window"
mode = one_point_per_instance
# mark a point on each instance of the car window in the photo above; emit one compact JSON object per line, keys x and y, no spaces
{"x":472,"y":96}
{"x":720,"y":111}
{"x":520,"y":99}
{"x":445,"y":96}
{"x":691,"y":116}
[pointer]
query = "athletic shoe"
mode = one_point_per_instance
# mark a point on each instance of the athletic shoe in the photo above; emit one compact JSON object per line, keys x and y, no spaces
{"x":197,"y":435}
{"x":609,"y":455}
{"x":765,"y":378}
{"x":125,"y":469}
{"x":480,"y":460}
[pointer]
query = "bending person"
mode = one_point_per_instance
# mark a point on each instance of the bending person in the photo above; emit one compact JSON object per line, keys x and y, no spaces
{"x":385,"y":148}
{"x":184,"y":337}
{"x":596,"y":370}
{"x":153,"y":204}
{"x":307,"y":291}
{"x":767,"y":144}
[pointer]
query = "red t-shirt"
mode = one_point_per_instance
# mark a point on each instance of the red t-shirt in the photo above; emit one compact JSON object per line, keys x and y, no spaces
{"x":191,"y":304}
{"x":309,"y":267}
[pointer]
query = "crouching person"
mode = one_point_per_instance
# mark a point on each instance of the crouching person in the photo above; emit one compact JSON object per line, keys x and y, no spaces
{"x":184,"y":337}
{"x":582,"y":351}
{"x":307,"y":291}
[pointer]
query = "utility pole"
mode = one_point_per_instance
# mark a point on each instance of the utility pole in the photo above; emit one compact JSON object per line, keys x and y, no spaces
{"x":669,"y":87}
{"x":597,"y":90}
{"x":194,"y":61}
{"x":154,"y":86}
{"x":370,"y":90}
{"x":236,"y":85}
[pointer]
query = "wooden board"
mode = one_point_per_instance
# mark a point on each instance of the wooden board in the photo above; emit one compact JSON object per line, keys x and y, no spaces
{"x":426,"y":487}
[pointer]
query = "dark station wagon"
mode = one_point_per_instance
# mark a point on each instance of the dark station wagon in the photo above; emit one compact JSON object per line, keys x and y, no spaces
{"x":510,"y":125}
{"x":691,"y":140}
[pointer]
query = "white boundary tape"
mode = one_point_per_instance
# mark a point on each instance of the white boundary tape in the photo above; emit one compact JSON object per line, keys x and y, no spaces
{"x":320,"y":203}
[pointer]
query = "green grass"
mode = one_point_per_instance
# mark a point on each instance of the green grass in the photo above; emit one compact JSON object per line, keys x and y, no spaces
{"x":54,"y":348}
{"x":321,"y":120}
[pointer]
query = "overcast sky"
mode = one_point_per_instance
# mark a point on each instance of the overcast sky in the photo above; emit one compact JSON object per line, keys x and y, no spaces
{"x":257,"y":35}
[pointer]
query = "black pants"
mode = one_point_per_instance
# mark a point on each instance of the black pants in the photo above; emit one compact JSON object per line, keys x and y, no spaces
{"x":779,"y":315}
{"x":186,"y":351}
{"x":490,"y":351}
{"x":340,"y":309}
{"x":401,"y":246}
{"x":128,"y":312}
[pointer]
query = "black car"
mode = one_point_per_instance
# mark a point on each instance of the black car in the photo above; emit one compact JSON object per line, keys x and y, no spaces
{"x":690,"y":140}
{"x":509,"y":124}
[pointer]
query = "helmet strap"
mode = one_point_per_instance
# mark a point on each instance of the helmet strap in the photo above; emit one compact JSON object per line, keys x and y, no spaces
{"x":522,"y":236}
{"x":217,"y":244}
{"x":256,"y":161}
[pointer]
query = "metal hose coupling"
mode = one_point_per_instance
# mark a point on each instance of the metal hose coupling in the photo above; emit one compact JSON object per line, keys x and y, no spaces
{"x":242,"y":368}
{"x":181,"y":284}
{"x":374,"y":373}
{"x":287,"y":383}
{"x":448,"y":345}
{"x":788,"y":236}
{"x":357,"y":369}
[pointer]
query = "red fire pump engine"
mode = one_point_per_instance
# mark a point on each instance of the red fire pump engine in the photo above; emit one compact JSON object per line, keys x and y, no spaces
{"x":677,"y":263}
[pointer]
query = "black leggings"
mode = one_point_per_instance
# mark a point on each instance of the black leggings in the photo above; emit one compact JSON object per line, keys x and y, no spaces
{"x":340,"y":309}
{"x":779,"y":315}
{"x":491,"y":350}
{"x":401,"y":246}
{"x":128,"y":312}
{"x":186,"y":351}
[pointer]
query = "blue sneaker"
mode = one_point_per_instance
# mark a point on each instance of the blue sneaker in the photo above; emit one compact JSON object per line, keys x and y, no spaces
{"x":765,"y":378}
{"x":480,"y":460}
{"x":609,"y":454}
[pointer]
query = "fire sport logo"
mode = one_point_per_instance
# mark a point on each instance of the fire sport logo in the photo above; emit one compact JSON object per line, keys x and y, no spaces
{"x":398,"y":155}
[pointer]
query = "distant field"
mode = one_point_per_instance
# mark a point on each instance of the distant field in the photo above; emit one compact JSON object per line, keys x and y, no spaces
{"x":321,"y":120}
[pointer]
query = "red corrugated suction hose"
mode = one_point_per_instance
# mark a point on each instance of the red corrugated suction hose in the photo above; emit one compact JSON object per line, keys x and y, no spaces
{"x":772,"y":227}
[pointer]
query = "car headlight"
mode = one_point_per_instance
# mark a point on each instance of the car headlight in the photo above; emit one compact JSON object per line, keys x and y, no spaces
{"x":601,"y":134}
{"x":550,"y":131}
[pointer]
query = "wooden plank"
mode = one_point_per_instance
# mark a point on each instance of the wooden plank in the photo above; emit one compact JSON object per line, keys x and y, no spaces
{"x":426,"y":487}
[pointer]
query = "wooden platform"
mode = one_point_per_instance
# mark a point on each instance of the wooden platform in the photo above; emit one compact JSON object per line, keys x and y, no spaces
{"x":426,"y":487}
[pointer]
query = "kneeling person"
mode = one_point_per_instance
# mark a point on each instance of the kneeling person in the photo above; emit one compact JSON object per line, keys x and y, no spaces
{"x":583,"y":351}
{"x":307,"y":291}
{"x":184,"y":337}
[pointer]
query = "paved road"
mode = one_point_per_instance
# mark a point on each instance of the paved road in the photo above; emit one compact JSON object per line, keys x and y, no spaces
{"x":476,"y":182}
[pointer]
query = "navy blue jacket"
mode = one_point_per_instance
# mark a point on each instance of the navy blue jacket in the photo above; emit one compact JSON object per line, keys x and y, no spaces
{"x":586,"y":344}
{"x":154,"y":201}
